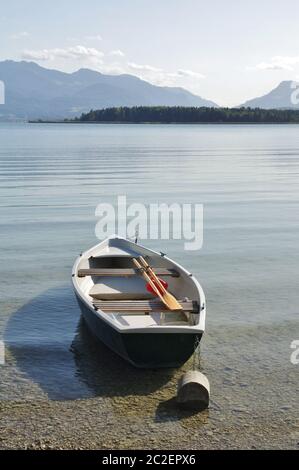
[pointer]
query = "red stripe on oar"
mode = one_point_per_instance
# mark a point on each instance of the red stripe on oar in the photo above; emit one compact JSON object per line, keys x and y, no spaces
{"x":151,"y":290}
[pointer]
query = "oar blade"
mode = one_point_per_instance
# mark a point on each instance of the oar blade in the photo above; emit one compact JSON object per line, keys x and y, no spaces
{"x":171,"y":301}
{"x":168,"y":299}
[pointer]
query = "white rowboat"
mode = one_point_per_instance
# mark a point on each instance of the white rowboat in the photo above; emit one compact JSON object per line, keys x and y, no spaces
{"x":129,"y":319}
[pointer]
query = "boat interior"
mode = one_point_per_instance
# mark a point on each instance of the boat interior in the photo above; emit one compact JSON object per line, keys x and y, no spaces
{"x":112,"y":283}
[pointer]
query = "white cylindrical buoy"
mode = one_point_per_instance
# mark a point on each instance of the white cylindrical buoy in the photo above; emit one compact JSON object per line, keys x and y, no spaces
{"x":193,"y":391}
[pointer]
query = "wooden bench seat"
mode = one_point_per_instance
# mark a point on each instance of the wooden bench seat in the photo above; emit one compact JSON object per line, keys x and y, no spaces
{"x":141,"y":306}
{"x":124,"y":289}
{"x":119,"y":272}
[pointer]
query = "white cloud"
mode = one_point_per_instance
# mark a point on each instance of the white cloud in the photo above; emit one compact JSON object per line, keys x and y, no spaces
{"x":278,"y":63}
{"x":22,"y":34}
{"x":75,"y":52}
{"x":189,"y":73}
{"x":36,"y":55}
{"x":96,"y":37}
{"x":271,"y":66}
{"x":143,"y":68}
{"x":160,"y":74}
{"x":114,"y":64}
{"x":180,"y":78}
{"x":82,"y":51}
{"x":113,"y":69}
{"x":117,"y":53}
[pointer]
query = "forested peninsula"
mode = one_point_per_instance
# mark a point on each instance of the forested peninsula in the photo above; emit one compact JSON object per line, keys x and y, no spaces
{"x":179,"y":114}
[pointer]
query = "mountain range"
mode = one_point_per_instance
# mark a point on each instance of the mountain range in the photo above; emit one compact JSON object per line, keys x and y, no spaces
{"x":33,"y":92}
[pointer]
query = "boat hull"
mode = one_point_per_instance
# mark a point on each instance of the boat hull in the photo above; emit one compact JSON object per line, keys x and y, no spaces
{"x":144,"y":350}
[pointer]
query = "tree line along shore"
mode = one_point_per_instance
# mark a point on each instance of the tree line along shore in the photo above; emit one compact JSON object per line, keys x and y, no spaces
{"x":181,"y":115}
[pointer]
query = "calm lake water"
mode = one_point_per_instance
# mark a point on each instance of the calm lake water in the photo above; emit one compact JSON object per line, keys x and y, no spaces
{"x":52,"y":178}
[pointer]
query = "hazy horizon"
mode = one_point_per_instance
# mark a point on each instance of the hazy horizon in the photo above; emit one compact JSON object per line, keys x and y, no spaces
{"x":223,"y":52}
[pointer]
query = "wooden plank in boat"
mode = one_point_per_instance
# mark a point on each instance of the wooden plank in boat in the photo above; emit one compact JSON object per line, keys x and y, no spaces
{"x":123,"y":272}
{"x":143,"y":306}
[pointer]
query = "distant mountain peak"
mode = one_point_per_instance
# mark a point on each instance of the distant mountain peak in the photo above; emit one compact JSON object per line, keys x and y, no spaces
{"x":85,"y":71}
{"x":279,"y":97}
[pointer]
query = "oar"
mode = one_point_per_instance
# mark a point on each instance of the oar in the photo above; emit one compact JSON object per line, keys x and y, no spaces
{"x":150,"y":271}
{"x":148,"y":279}
{"x":168,"y":298}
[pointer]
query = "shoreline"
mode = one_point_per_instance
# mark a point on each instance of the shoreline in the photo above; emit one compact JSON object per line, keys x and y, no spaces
{"x":160,"y":122}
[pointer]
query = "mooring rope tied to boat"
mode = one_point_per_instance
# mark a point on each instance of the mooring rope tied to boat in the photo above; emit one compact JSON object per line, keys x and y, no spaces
{"x":196,"y":355}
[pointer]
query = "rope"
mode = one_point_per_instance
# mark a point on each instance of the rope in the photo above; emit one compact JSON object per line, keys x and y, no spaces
{"x":196,"y":354}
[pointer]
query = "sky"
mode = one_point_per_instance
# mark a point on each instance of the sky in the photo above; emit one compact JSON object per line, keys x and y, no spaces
{"x":227,"y":51}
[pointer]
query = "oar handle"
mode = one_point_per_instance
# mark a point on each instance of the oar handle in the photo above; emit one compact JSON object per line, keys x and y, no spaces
{"x":148,"y":279}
